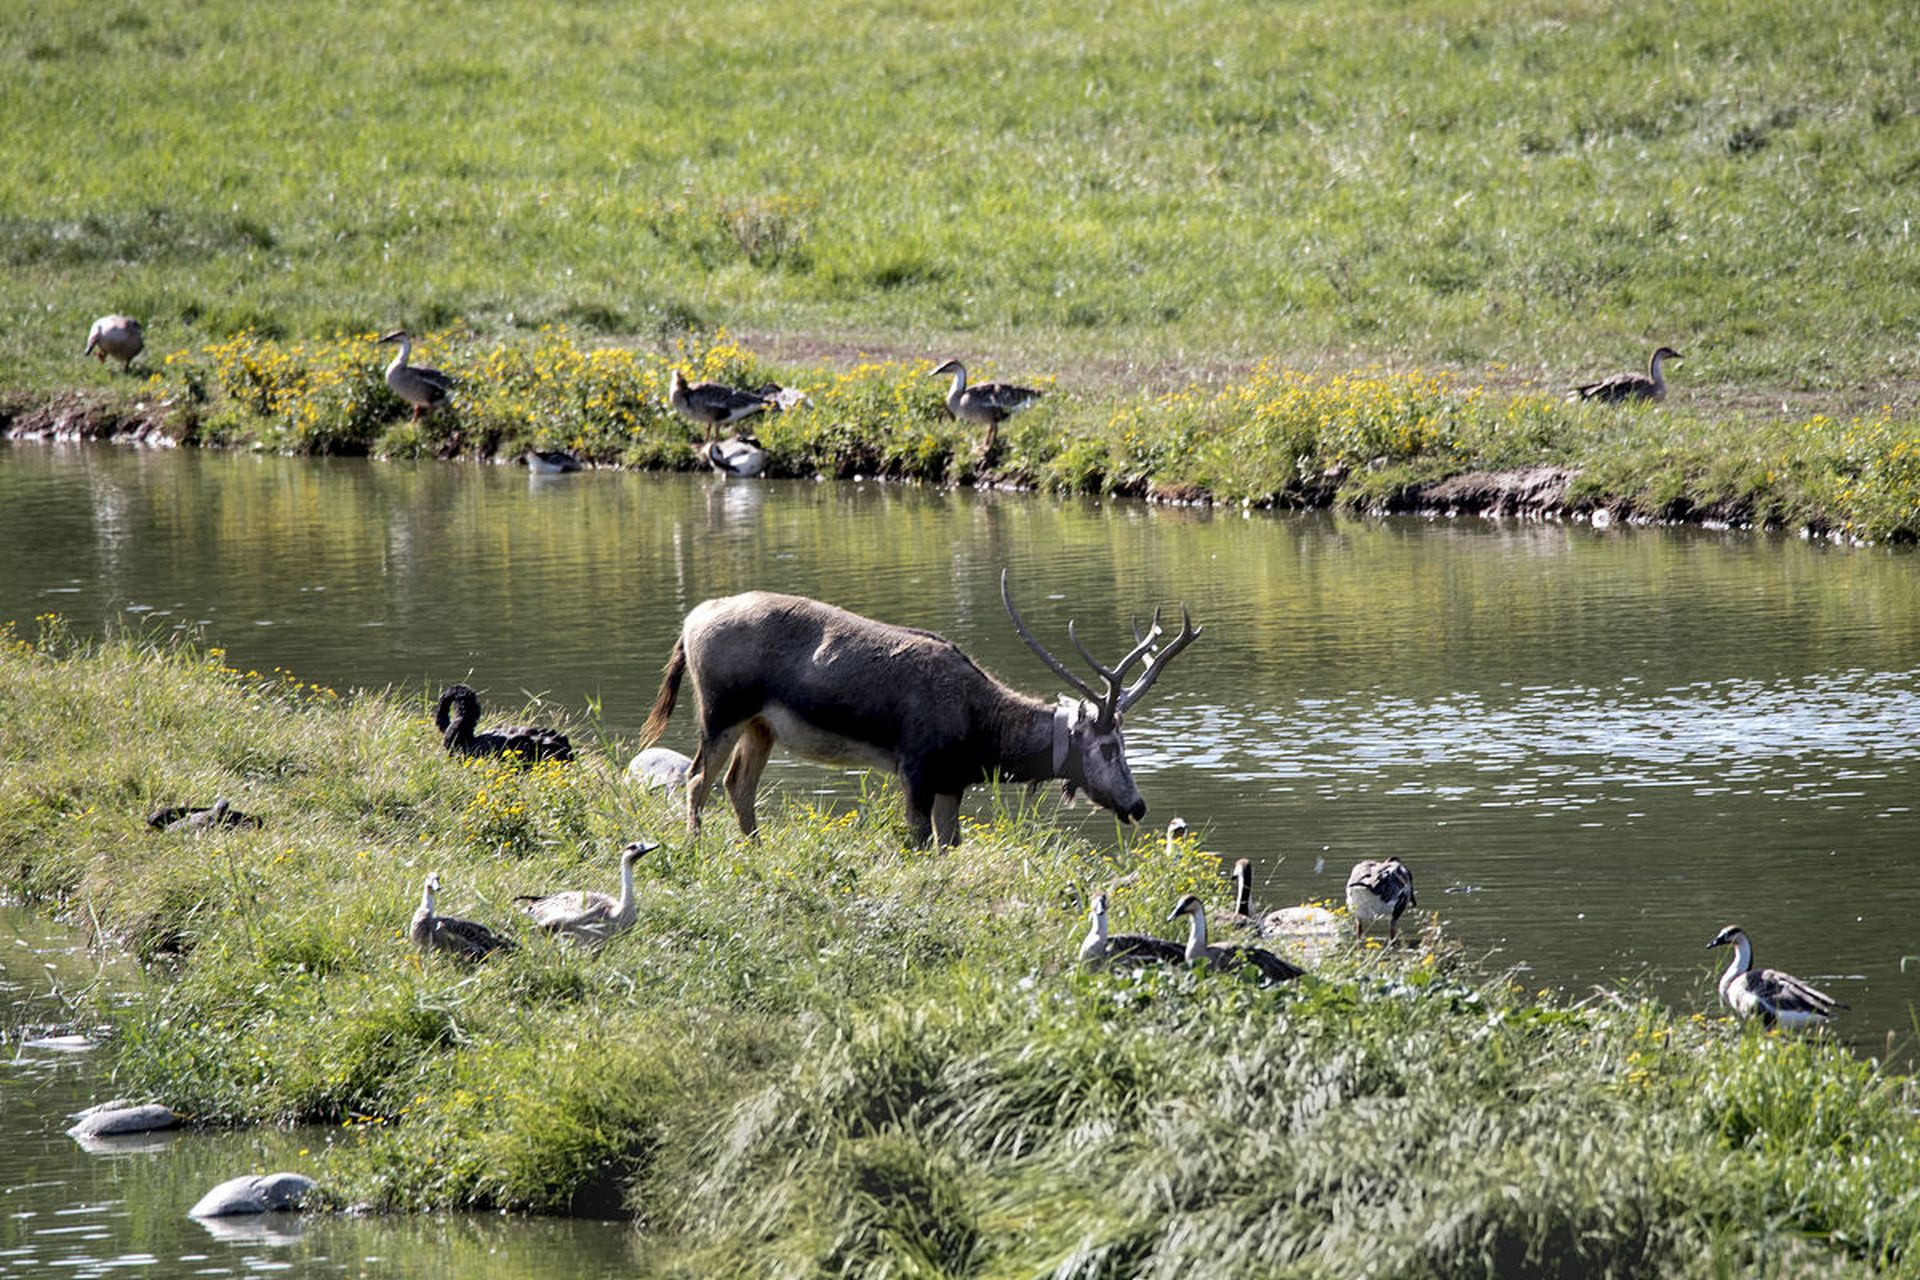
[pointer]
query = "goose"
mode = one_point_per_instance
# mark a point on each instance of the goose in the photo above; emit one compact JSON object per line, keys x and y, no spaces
{"x":1272,"y":968}
{"x":660,"y":767}
{"x":1242,"y":917}
{"x":1176,"y":832}
{"x":741,"y":457}
{"x":714,"y":404}
{"x":1100,"y":948}
{"x":550,"y":462}
{"x":459,"y":711}
{"x":586,"y":916}
{"x":1776,"y":998}
{"x":182,"y":817}
{"x":118,"y":336}
{"x":423,"y":388}
{"x":987,"y":405}
{"x":1650,"y":385}
{"x":456,"y":937}
{"x":1379,"y":887}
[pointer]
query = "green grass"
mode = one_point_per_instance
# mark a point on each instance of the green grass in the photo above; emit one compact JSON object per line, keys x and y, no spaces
{"x":821,"y":1053}
{"x":1131,"y":190}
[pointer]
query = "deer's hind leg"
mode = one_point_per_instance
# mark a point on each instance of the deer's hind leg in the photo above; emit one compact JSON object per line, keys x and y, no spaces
{"x":714,"y":749}
{"x":743,"y":773}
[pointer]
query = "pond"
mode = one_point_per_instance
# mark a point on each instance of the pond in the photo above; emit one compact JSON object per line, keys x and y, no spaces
{"x":1594,"y":748}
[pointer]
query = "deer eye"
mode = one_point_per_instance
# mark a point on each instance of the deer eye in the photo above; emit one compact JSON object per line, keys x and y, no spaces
{"x":1108,"y":751}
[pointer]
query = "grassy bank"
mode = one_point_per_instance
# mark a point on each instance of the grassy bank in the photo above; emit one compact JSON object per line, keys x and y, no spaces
{"x":1372,"y":440}
{"x":820,"y":1053}
{"x":1554,"y":186}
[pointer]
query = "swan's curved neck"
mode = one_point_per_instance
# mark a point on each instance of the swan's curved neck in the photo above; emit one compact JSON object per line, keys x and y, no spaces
{"x":1196,"y":932}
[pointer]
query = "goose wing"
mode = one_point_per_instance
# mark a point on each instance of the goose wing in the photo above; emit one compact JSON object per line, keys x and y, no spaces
{"x":724,"y":403}
{"x":468,"y":939}
{"x":1386,"y":879}
{"x":1002,"y":398}
{"x":1788,"y":994}
{"x":568,"y":908}
{"x":1272,"y":968}
{"x":1133,"y":949}
{"x":1622,"y":386}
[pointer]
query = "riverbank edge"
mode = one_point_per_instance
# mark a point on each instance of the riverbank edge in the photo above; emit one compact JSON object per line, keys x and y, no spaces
{"x":1543,"y":491}
{"x":893,"y":1057}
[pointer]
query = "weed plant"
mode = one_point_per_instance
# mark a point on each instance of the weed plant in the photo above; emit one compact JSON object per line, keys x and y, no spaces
{"x":822,"y":1053}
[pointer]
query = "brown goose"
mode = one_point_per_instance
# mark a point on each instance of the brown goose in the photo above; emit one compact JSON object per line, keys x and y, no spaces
{"x":457,"y":715}
{"x":1100,"y":948}
{"x":987,"y":405}
{"x":585,"y":915}
{"x":1776,"y":998}
{"x":182,"y":817}
{"x":714,"y":404}
{"x":118,"y":336}
{"x":424,"y":388}
{"x":1379,"y":887}
{"x":1651,"y":385}
{"x":462,"y":938}
{"x":1272,"y":968}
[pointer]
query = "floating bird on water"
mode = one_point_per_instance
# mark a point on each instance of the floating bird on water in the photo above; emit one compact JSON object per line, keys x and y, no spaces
{"x":742,"y":457}
{"x":1651,"y":385}
{"x":714,"y":404}
{"x":987,"y":405}
{"x":118,"y":336}
{"x":587,"y":916}
{"x":182,"y":817}
{"x":550,"y":462}
{"x":1100,"y":948}
{"x":1272,"y":968}
{"x":1776,"y":998}
{"x":423,"y":388}
{"x":1379,"y":887}
{"x":463,"y":938}
{"x":459,"y":712}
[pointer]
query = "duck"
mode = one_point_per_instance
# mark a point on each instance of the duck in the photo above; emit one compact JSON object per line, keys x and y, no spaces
{"x":424,"y":388}
{"x":118,"y":336}
{"x":1651,"y":385}
{"x":584,"y":915}
{"x":1198,"y":953}
{"x":714,"y":404}
{"x":550,"y":462}
{"x":1100,"y":948}
{"x":457,"y":715}
{"x":1241,"y":917}
{"x":1379,"y":887}
{"x":462,"y":938}
{"x":1776,"y":998}
{"x":742,"y":457}
{"x":182,"y":817}
{"x":987,"y":405}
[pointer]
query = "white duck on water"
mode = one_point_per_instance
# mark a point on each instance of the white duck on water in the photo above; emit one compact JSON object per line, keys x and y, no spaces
{"x":1776,"y":998}
{"x":585,"y":915}
{"x":422,"y":387}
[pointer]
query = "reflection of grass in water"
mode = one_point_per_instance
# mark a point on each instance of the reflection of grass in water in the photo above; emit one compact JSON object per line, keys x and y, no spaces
{"x":818,"y":1051}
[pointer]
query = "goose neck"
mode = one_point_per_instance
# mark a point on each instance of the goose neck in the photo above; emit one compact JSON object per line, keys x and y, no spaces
{"x":959,"y":386}
{"x":1742,"y":961}
{"x":1653,"y":369}
{"x":1196,"y":932}
{"x":624,"y":907}
{"x":1243,"y":891}
{"x":426,"y":899}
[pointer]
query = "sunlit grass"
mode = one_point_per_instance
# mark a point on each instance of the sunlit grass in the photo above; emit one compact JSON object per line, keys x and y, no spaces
{"x":822,"y":1051}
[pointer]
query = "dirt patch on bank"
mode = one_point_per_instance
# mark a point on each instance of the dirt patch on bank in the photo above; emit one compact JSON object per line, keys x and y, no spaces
{"x":80,"y":416}
{"x":1522,"y":491}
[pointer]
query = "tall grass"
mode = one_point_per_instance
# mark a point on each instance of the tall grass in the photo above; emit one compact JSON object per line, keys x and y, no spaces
{"x":822,"y":1052}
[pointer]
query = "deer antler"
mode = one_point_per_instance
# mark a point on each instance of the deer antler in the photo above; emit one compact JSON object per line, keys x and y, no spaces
{"x":1059,"y":668}
{"x":1159,"y":660}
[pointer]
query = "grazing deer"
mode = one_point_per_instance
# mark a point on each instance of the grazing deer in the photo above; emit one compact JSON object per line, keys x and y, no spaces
{"x":838,"y":687}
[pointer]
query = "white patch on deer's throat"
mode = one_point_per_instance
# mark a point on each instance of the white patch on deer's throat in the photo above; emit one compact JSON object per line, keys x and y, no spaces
{"x":805,"y":739}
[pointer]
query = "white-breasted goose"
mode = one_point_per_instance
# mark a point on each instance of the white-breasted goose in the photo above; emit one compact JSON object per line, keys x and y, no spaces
{"x":1376,"y":888}
{"x":714,"y":404}
{"x":1651,"y":385}
{"x":466,"y":939}
{"x":1198,"y":952}
{"x":741,"y":456}
{"x":1100,"y":948}
{"x":118,"y":336}
{"x":457,"y":717}
{"x":585,"y":915}
{"x":420,"y":386}
{"x":1776,"y":998}
{"x":987,"y":405}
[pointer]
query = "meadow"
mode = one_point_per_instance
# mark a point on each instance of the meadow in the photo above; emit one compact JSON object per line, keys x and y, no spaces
{"x":1132,"y":194}
{"x":821,"y":1053}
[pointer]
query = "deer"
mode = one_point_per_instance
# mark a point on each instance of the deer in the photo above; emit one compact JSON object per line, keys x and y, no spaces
{"x":834,"y":686}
